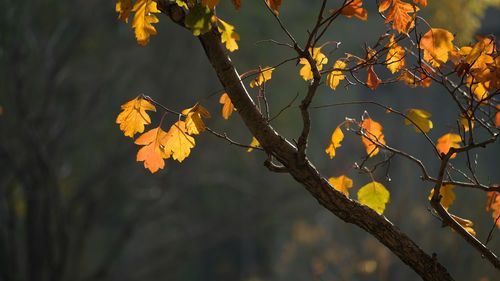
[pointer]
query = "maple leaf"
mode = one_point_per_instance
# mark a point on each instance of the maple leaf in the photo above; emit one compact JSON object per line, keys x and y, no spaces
{"x":372,"y":80}
{"x":253,"y":143}
{"x":152,"y":153}
{"x":133,"y":116}
{"x":447,"y":195}
{"x":274,"y":5}
{"x":341,"y":183}
{"x":395,"y":58}
{"x":199,"y":19}
{"x":398,"y":14}
{"x":228,"y":35}
{"x":354,"y":9}
{"x":372,"y":132}
{"x":448,"y":141}
{"x":320,"y":60}
{"x":123,"y":8}
{"x":335,"y":140}
{"x":421,"y":118}
{"x":228,"y":107}
{"x":144,"y":19}
{"x":194,"y":121}
{"x":335,"y":76}
{"x":178,"y":142}
{"x":465,"y":223}
{"x":375,"y":196}
{"x":265,"y":74}
{"x":210,"y":3}
{"x":437,"y":44}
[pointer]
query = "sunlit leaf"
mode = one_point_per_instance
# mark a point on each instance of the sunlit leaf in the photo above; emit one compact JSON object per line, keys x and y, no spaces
{"x":447,"y":195}
{"x":372,"y":80}
{"x":374,"y":195}
{"x":465,"y":223}
{"x":253,"y":143}
{"x":341,"y":183}
{"x":264,"y":75}
{"x":421,"y":118}
{"x":372,"y":134}
{"x":448,"y":141}
{"x":399,"y":14}
{"x":274,"y":5}
{"x":194,"y":119}
{"x":178,"y":142}
{"x":497,"y":116}
{"x":355,"y":9}
{"x":335,"y":140}
{"x":152,"y":153}
{"x":123,"y":8}
{"x":395,"y":58}
{"x":493,"y":205}
{"x":335,"y":76}
{"x":227,"y":106}
{"x":199,"y":19}
{"x":143,"y":20}
{"x":437,"y":44}
{"x":228,"y":35}
{"x":318,"y":57}
{"x":133,"y":116}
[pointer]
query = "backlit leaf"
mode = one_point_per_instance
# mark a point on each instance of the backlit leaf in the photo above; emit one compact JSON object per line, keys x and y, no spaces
{"x":437,"y":44}
{"x":395,"y":56}
{"x":335,"y":76}
{"x":318,"y":57}
{"x":372,"y":132}
{"x":253,"y":143}
{"x":133,"y":116}
{"x":355,"y":9}
{"x":465,"y":223}
{"x":228,"y":107}
{"x":447,"y":141}
{"x":335,"y":140}
{"x":123,"y":8}
{"x":178,"y":142}
{"x":274,"y":5}
{"x":447,"y":195}
{"x":341,"y":183}
{"x":152,"y":153}
{"x":372,"y":80}
{"x":199,"y":19}
{"x":497,"y":116}
{"x":194,"y":119}
{"x":374,"y":195}
{"x":493,"y":205}
{"x":143,"y":20}
{"x":398,"y":14}
{"x":236,"y":4}
{"x":264,"y":75}
{"x":228,"y":35}
{"x":421,"y":118}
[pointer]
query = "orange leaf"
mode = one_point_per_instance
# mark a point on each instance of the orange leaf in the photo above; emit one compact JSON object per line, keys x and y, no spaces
{"x":448,"y":141}
{"x":236,"y":4}
{"x":274,"y":5}
{"x":123,"y":8}
{"x":152,"y":153}
{"x":398,"y":14}
{"x":341,"y":183}
{"x":497,"y":116}
{"x":228,"y":107}
{"x":372,"y":134}
{"x":372,"y":80}
{"x":133,"y":116}
{"x":335,"y":140}
{"x":494,"y":206}
{"x":437,"y":44}
{"x":421,"y":2}
{"x":354,"y":9}
{"x":395,"y":56}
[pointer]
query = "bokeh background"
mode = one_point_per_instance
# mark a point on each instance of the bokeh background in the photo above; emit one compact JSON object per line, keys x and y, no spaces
{"x":74,"y":199}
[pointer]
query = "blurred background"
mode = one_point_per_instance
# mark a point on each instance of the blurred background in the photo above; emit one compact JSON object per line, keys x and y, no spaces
{"x":75,"y":205}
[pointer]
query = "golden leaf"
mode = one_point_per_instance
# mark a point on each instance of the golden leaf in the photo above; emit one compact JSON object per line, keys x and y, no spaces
{"x":123,"y":8}
{"x":437,"y":44}
{"x":374,"y":195}
{"x":447,"y":195}
{"x":144,"y":19}
{"x":372,"y":134}
{"x":228,"y":107}
{"x":335,"y":140}
{"x":152,"y":153}
{"x":421,"y":118}
{"x":264,"y":75}
{"x":448,"y":141}
{"x":178,"y":142}
{"x":253,"y":143}
{"x":133,"y":116}
{"x":333,"y":79}
{"x":341,"y":183}
{"x":355,"y":9}
{"x":194,"y":121}
{"x":395,"y":56}
{"x":318,"y":57}
{"x":228,"y":35}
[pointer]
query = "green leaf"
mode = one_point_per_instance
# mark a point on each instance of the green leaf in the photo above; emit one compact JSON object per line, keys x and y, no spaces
{"x":374,"y":195}
{"x":199,"y":20}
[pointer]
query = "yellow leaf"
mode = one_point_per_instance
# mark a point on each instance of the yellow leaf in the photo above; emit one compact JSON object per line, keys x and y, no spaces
{"x":133,"y":116}
{"x":374,"y":195}
{"x":210,"y":3}
{"x":395,"y":56}
{"x":372,"y":132}
{"x":178,"y":142}
{"x":194,"y":121}
{"x":333,"y":79}
{"x":421,"y":118}
{"x":264,"y":75}
{"x":228,"y":107}
{"x":335,"y":140}
{"x":123,"y":8}
{"x":437,"y":44}
{"x":182,"y":4}
{"x":144,"y":19}
{"x":465,"y":223}
{"x":320,"y":60}
{"x":341,"y":183}
{"x":152,"y":153}
{"x":254,"y":143}
{"x":464,"y":122}
{"x":228,"y":35}
{"x":447,"y":141}
{"x":447,"y":195}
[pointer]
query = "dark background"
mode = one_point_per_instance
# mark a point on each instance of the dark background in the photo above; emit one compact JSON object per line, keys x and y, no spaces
{"x":74,"y":198}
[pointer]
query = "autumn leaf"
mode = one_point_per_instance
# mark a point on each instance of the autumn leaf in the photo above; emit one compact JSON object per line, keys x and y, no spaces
{"x":372,"y":132}
{"x":448,"y":141}
{"x":464,"y":122}
{"x":177,"y":142}
{"x":465,"y":223}
{"x":447,"y":195}
{"x":254,"y":143}
{"x":497,"y":116}
{"x":199,"y":19}
{"x":123,"y":8}
{"x":372,"y":80}
{"x":413,"y":81}
{"x":335,"y":76}
{"x":210,"y":3}
{"x":263,"y":76}
{"x":228,"y":107}
{"x":437,"y":44}
{"x":152,"y":153}
{"x":421,"y":119}
{"x":335,"y":140}
{"x":143,"y":20}
{"x":341,"y":183}
{"x":374,"y":195}
{"x":236,"y":4}
{"x":355,"y":9}
{"x":421,"y":2}
{"x":398,"y":14}
{"x":133,"y":116}
{"x":318,"y":57}
{"x":494,"y":206}
{"x":194,"y":119}
{"x":228,"y":35}
{"x":395,"y":58}
{"x":182,"y":4}
{"x":274,"y":5}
